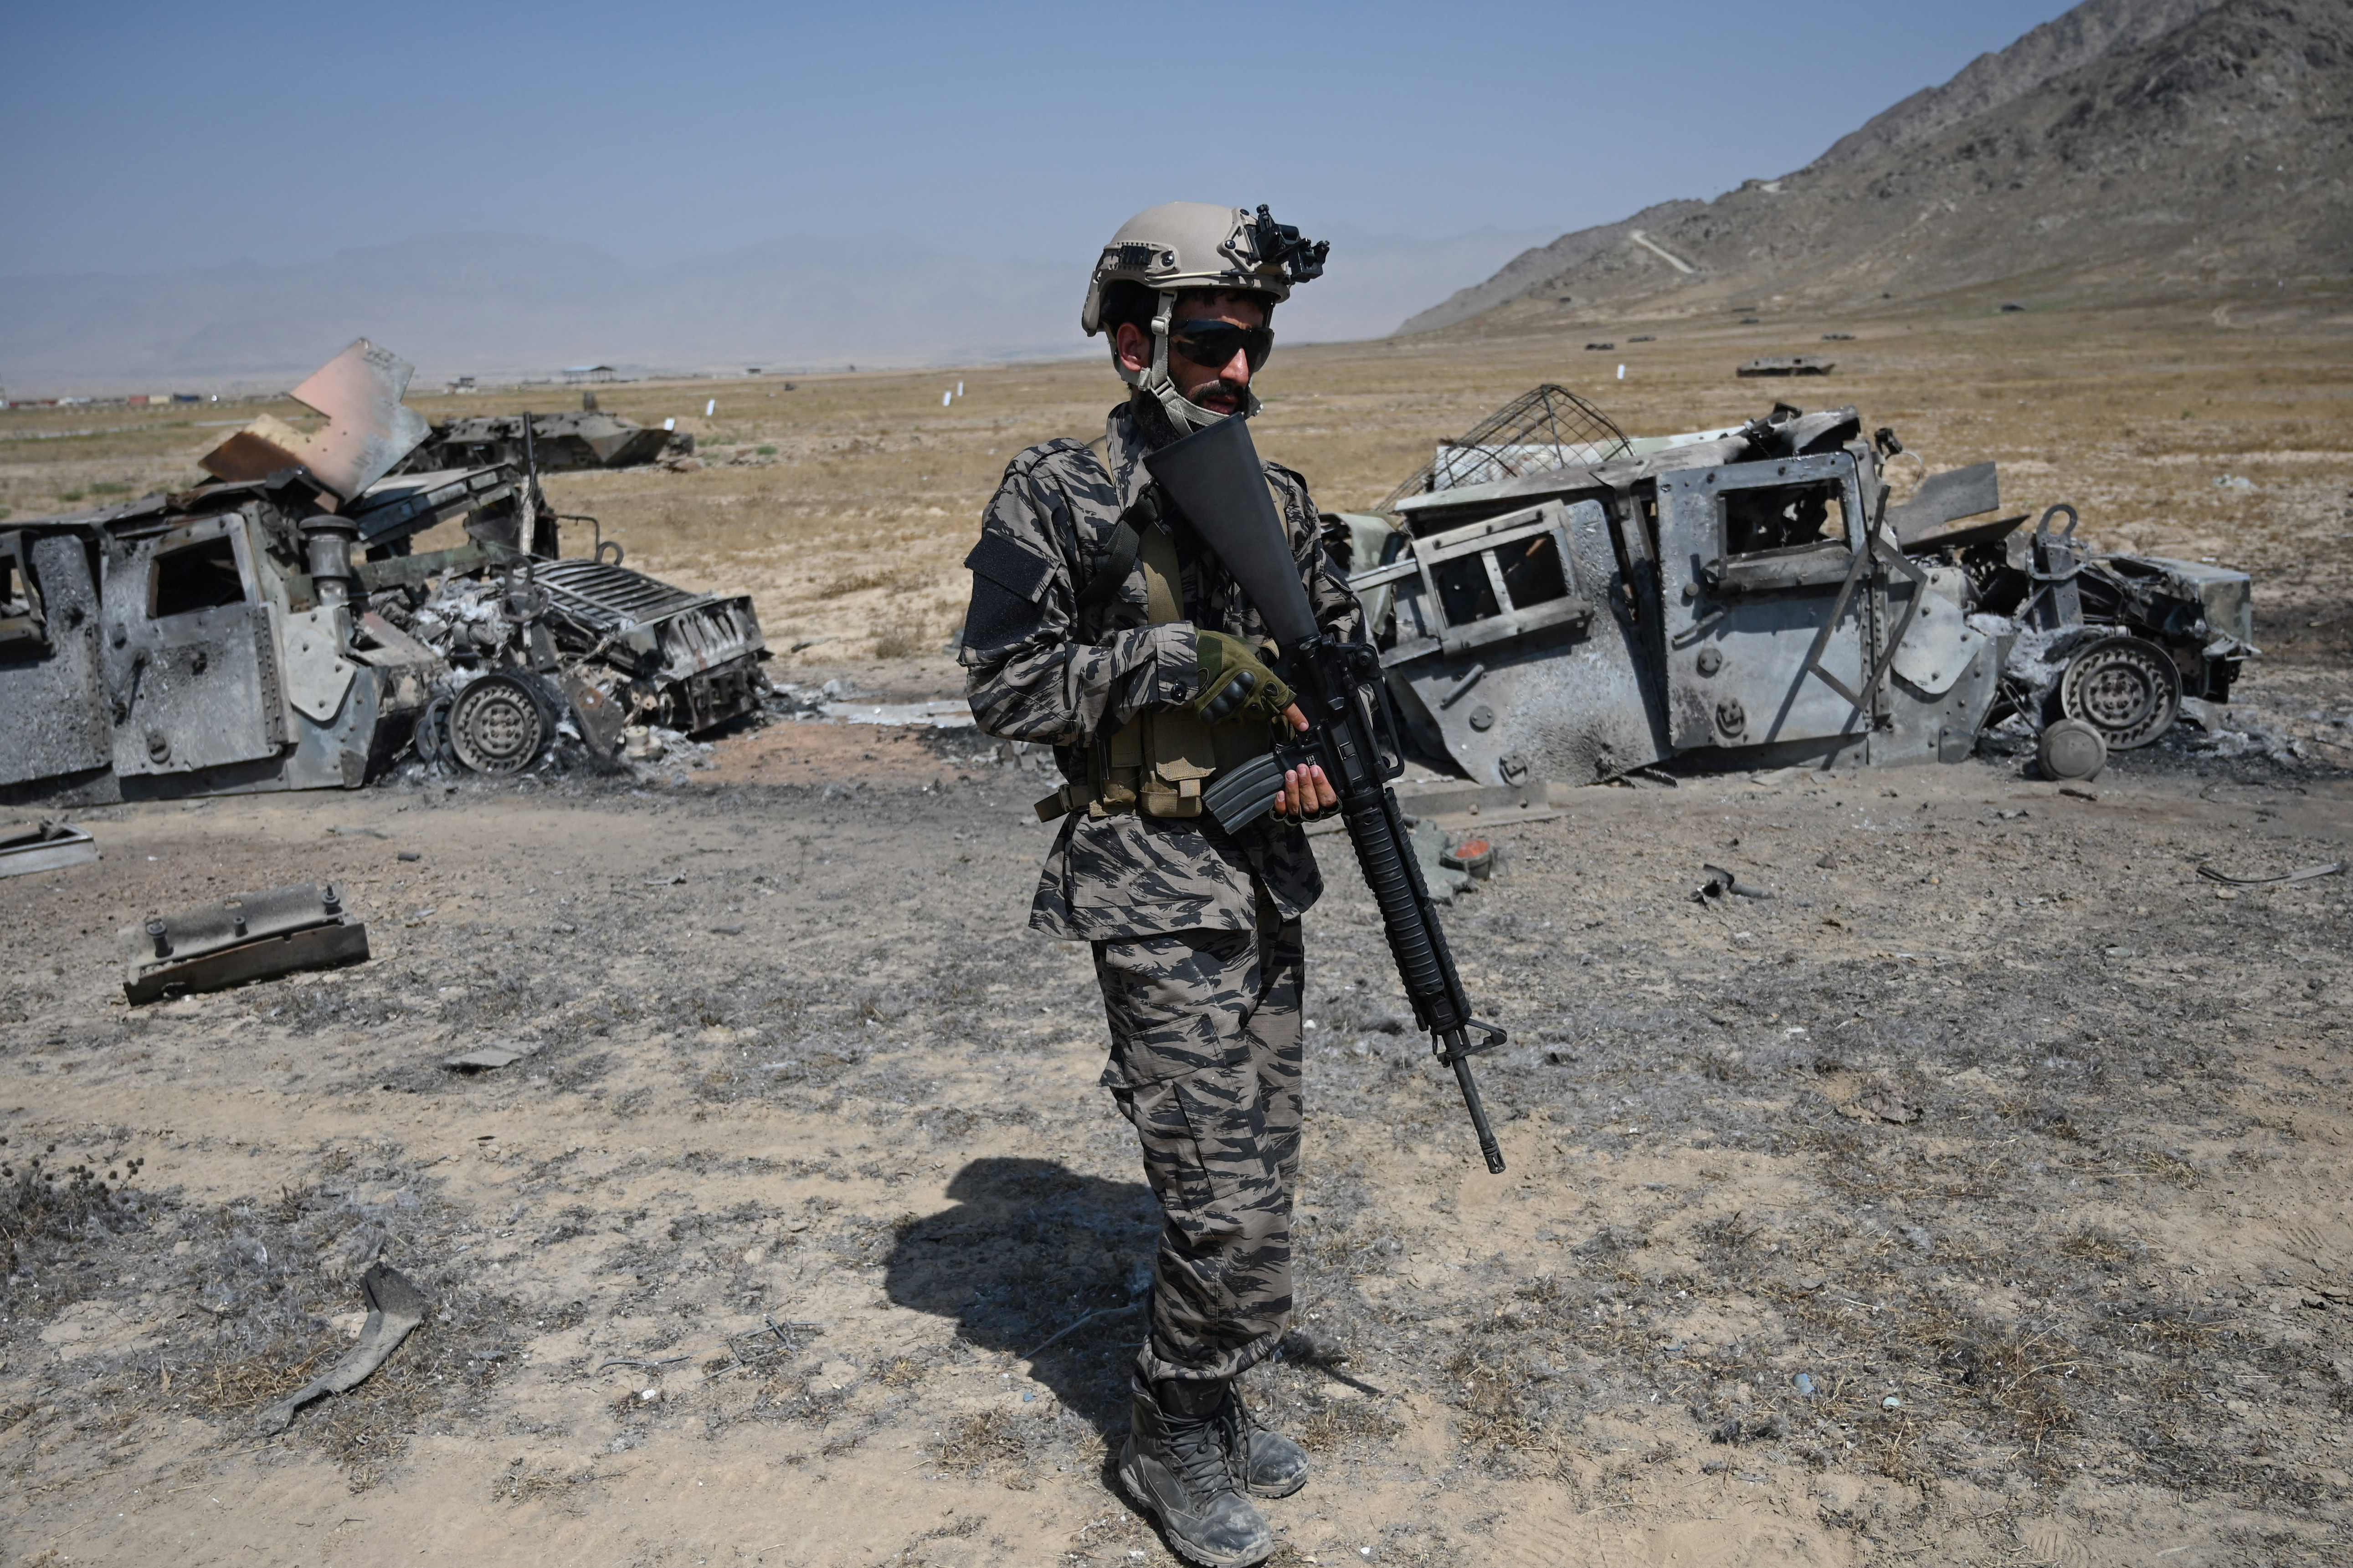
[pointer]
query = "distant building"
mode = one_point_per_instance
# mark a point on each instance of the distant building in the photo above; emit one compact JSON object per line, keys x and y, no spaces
{"x":575,"y":374}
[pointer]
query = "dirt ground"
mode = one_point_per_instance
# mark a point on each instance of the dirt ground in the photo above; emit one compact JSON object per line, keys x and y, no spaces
{"x":1978,"y":1198}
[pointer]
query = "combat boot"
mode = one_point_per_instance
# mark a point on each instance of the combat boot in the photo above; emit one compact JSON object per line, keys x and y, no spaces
{"x":1271,"y":1463}
{"x":1179,"y":1466}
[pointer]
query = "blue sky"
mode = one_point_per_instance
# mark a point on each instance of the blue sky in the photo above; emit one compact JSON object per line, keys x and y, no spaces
{"x":147,"y":138}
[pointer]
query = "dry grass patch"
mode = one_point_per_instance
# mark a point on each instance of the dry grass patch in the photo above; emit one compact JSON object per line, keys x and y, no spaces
{"x":1344,"y":1423}
{"x":987,"y":1445}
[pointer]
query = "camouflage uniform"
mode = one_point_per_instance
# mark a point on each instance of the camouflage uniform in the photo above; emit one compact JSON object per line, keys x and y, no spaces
{"x":1196,"y":931}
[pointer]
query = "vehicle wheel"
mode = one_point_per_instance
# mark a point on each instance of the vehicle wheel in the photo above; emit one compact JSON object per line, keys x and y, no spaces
{"x":497,"y":725}
{"x":2126,"y":688}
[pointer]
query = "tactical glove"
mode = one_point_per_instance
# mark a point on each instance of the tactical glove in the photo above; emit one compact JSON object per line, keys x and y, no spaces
{"x":1235,"y":682}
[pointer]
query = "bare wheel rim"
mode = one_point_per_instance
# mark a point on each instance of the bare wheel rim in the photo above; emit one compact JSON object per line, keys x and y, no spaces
{"x":2126,"y":689}
{"x":497,"y":726}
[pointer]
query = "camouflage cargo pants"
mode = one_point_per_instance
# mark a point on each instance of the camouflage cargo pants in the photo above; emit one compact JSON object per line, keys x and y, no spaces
{"x":1204,"y":1060}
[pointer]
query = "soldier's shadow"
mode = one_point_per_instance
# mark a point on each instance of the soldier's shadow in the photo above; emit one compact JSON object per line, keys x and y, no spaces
{"x":1041,"y":1263}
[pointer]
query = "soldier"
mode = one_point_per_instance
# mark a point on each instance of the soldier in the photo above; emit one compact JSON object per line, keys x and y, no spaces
{"x":1099,"y":623}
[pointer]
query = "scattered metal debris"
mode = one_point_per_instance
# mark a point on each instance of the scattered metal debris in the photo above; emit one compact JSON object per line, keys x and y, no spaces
{"x":271,"y":627}
{"x":395,"y":1309}
{"x":2301,"y":874}
{"x":1721,"y":881}
{"x":945,"y":713}
{"x":250,"y":937}
{"x":1475,"y":856}
{"x":29,"y":846}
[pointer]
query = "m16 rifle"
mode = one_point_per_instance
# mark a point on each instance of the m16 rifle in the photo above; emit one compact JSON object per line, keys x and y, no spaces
{"x":1217,"y":482}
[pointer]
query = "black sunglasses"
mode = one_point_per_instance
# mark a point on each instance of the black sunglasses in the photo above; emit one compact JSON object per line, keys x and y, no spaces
{"x":1213,"y":344}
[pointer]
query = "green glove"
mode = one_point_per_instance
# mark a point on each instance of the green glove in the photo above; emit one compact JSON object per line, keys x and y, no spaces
{"x":1235,"y":682}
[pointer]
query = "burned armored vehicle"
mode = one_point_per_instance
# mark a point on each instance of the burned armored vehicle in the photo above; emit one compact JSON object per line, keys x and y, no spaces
{"x":266,"y":629}
{"x":1558,"y":602}
{"x":546,"y":443}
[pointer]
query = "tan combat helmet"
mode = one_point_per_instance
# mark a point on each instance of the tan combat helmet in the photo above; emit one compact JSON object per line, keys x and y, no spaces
{"x":1197,"y":244}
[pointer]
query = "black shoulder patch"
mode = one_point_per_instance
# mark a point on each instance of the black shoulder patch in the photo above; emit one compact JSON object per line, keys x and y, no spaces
{"x":1007,"y":565}
{"x":996,"y":619}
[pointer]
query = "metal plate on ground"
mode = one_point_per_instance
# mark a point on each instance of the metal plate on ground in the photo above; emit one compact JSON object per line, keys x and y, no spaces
{"x":250,"y":937}
{"x":29,"y":846}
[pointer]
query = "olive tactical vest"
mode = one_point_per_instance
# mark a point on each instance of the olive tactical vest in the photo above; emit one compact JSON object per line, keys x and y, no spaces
{"x":1158,"y":762}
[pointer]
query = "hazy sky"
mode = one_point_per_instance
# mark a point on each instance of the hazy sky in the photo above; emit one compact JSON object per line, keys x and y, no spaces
{"x":148,"y":137}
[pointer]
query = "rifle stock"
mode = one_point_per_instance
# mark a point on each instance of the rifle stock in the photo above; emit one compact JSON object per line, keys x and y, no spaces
{"x":1215,"y":478}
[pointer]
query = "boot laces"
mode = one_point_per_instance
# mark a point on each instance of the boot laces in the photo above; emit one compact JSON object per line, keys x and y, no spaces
{"x":1207,"y":1450}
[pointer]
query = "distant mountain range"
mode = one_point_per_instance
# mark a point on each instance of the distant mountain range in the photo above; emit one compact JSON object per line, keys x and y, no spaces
{"x":2132,"y":143}
{"x":500,"y":305}
{"x":2127,"y":145}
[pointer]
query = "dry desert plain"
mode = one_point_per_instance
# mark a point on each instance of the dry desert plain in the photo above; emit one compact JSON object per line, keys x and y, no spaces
{"x":794,"y":1056}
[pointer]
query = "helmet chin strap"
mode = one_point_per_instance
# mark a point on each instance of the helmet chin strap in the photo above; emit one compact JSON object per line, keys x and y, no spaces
{"x":1184,"y":414}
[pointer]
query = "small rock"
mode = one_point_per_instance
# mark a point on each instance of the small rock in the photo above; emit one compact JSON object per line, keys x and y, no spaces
{"x":1803,"y":1385}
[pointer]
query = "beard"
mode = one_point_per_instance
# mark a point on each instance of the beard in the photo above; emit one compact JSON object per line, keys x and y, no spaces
{"x":1221,"y":396}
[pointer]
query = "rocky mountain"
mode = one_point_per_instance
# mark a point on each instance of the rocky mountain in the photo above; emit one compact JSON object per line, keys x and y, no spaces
{"x":2064,"y":43}
{"x":2157,"y":142}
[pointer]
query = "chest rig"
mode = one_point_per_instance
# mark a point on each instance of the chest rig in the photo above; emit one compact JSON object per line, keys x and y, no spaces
{"x":1158,"y":763}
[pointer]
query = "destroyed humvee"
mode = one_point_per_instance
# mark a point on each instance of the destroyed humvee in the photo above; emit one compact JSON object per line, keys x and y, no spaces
{"x":269,"y":628}
{"x":548,"y":443}
{"x":1558,"y":602}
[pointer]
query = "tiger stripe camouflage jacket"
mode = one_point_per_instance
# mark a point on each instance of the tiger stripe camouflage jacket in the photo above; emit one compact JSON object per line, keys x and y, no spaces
{"x":1038,"y":667}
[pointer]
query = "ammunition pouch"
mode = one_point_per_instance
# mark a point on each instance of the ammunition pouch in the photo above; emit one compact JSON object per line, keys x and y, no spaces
{"x":1159,"y":761}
